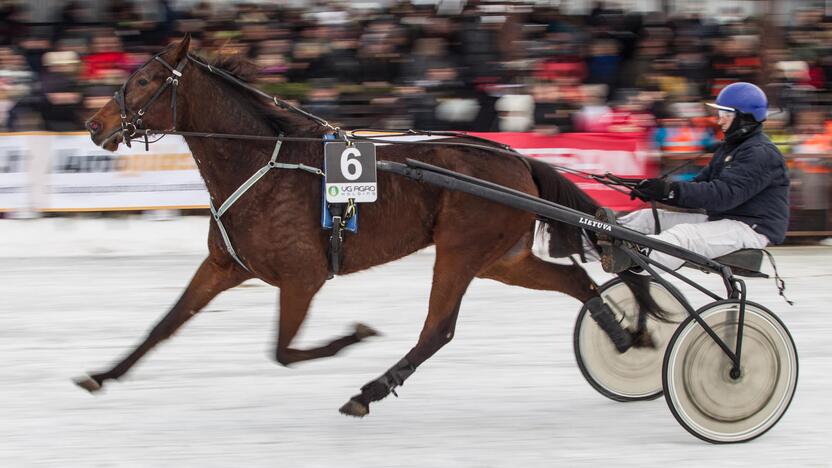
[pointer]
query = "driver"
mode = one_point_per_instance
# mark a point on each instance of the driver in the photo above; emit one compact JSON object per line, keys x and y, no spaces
{"x":744,"y":192}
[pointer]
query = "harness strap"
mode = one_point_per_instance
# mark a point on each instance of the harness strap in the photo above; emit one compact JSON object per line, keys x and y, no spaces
{"x":250,"y":182}
{"x":140,"y":113}
{"x":781,"y":285}
{"x":656,"y":220}
{"x":225,"y":239}
{"x":173,"y":101}
{"x":582,"y":235}
{"x":336,"y":240}
{"x":242,"y":189}
{"x":278,"y":102}
{"x":302,"y":167}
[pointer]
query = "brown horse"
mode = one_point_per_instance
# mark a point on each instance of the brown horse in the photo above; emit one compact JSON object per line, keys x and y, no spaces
{"x":275,"y":227}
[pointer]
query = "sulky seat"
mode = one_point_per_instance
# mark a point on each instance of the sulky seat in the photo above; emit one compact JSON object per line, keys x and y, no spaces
{"x":744,"y":262}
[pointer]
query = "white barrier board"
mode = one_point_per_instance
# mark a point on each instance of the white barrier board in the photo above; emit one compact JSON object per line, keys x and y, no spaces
{"x":67,"y":172}
{"x":15,"y":161}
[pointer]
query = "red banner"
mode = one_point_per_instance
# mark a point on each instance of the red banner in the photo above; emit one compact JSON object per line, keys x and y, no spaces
{"x":622,"y":154}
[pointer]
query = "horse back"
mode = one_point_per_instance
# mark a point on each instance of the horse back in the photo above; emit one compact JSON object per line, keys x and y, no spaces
{"x":405,"y":217}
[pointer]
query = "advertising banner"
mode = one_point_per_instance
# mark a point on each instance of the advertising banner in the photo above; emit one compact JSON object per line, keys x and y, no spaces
{"x":622,"y":154}
{"x":56,"y":172}
{"x":15,"y":161}
{"x":83,"y":177}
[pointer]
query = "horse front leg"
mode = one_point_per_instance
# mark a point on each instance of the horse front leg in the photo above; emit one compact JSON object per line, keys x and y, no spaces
{"x":295,"y":300}
{"x":437,"y":331}
{"x":210,"y":279}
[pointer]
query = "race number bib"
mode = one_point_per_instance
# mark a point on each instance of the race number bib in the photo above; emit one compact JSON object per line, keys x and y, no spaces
{"x":350,"y":172}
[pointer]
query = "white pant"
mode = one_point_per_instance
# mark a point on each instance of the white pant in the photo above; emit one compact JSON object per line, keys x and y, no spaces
{"x":693,"y":231}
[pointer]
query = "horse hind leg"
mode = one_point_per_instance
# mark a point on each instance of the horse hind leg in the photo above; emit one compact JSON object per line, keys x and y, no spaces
{"x":519,"y":267}
{"x":640,"y":287}
{"x":209,"y":280}
{"x":295,"y":300}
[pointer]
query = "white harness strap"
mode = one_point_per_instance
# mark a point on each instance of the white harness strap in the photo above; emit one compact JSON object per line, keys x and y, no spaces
{"x":226,"y":205}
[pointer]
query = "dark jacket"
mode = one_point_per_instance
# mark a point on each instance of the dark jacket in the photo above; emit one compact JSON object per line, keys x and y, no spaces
{"x":746,"y":181}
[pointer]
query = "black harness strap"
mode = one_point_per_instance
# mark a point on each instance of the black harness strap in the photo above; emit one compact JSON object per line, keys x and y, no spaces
{"x":129,"y":128}
{"x":336,"y":240}
{"x":781,"y":285}
{"x":278,"y":102}
{"x":341,"y":214}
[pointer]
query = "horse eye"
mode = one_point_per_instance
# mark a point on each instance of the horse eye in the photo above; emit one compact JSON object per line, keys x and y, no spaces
{"x":142,"y":82}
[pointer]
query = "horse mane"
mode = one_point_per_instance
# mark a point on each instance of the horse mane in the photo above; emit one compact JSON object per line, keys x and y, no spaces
{"x":564,"y":239}
{"x":237,"y":65}
{"x":278,"y":120}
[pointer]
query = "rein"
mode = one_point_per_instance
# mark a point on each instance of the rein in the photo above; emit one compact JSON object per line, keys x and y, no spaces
{"x":133,"y":127}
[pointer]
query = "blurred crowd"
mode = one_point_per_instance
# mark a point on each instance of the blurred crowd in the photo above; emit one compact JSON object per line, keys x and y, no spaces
{"x":477,"y":67}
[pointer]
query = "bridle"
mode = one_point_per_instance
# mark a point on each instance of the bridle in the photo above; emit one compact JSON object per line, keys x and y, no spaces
{"x":131,"y":126}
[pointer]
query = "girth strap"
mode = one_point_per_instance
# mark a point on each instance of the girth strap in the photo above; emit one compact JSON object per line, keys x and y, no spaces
{"x":341,"y":214}
{"x":225,"y":239}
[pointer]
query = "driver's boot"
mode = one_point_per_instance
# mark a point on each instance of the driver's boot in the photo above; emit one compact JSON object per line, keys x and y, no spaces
{"x":613,"y":257}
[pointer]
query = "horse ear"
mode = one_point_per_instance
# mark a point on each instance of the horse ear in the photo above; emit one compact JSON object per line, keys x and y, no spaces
{"x":182,"y":48}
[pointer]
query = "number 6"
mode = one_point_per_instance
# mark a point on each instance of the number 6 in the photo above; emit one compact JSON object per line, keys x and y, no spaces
{"x":351,"y":168}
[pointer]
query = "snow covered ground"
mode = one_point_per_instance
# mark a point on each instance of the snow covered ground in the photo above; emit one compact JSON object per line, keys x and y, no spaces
{"x":76,"y":294}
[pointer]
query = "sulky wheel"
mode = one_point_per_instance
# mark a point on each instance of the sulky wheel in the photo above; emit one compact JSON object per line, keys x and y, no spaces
{"x":636,"y":374}
{"x":699,"y":389}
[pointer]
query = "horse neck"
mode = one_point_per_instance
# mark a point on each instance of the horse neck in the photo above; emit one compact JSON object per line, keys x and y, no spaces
{"x":224,"y":164}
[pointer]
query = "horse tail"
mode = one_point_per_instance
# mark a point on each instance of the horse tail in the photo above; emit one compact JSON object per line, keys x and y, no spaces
{"x":640,"y":287}
{"x":564,"y":239}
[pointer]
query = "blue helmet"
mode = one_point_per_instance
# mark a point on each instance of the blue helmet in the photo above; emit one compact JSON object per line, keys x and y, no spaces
{"x":743,"y":97}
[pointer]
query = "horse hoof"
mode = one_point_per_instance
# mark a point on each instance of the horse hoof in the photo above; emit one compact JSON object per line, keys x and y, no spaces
{"x":87,"y":383}
{"x":363,"y":331}
{"x":355,"y":408}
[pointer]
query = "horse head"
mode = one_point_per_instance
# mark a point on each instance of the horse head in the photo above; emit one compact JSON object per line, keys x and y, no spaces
{"x":139,"y":104}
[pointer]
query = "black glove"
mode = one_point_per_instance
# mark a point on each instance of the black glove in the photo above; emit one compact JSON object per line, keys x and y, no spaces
{"x":654,"y":189}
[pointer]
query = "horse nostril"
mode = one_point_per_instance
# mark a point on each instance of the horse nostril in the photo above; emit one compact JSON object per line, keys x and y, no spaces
{"x":93,"y":126}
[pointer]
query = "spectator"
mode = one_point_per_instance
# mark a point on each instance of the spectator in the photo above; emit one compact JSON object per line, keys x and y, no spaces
{"x":595,"y":114}
{"x":460,"y":61}
{"x":553,"y":109}
{"x":16,"y":84}
{"x":61,"y":94}
{"x":322,"y":101}
{"x":106,"y":55}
